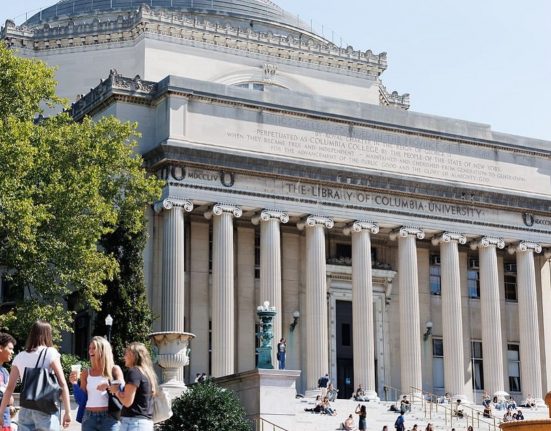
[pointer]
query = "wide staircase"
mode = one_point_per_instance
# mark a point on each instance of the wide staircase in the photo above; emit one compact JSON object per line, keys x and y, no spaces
{"x":422,"y":412}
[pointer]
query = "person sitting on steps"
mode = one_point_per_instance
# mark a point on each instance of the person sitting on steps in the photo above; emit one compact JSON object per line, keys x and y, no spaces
{"x":405,"y":405}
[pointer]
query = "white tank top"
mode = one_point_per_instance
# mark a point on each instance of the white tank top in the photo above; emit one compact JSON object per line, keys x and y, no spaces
{"x":95,"y":397}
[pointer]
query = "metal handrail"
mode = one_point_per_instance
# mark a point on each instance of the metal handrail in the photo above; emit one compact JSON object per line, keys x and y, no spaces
{"x":474,"y":416}
{"x":262,"y":424}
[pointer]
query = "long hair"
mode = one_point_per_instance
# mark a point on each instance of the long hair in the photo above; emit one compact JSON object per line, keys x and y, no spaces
{"x":142,"y":361}
{"x":40,"y":335}
{"x":105,"y":355}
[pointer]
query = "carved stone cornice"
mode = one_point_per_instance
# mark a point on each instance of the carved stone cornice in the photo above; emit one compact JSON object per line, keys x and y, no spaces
{"x":525,"y":246}
{"x":393,"y":100}
{"x":360,"y":225}
{"x":488,"y":241}
{"x":404,"y":231}
{"x":314,"y":220}
{"x":169,"y":203}
{"x":111,"y":28}
{"x":448,"y":237}
{"x":220,"y":209}
{"x":266,"y":215}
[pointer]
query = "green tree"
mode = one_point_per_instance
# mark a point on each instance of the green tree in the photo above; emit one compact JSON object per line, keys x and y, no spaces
{"x":207,"y":407}
{"x":125,"y":298}
{"x":63,"y":186}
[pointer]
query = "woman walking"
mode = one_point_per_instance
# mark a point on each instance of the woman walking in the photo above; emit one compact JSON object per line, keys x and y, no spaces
{"x":39,"y":345}
{"x":93,"y":387}
{"x":140,"y":388}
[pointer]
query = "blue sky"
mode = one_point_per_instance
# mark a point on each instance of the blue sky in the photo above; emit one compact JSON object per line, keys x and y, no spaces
{"x":487,"y":61}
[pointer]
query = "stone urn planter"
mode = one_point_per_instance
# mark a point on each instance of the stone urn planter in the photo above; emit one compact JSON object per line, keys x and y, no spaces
{"x":172,"y":357}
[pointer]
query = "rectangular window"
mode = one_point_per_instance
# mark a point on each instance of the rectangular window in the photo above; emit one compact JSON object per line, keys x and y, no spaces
{"x":346,"y":334}
{"x":473,"y":282}
{"x":510,"y":287}
{"x":513,"y":359}
{"x":437,"y":363}
{"x":435,"y":286}
{"x":476,"y":358}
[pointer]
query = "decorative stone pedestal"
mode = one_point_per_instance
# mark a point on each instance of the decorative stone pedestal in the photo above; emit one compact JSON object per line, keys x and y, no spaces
{"x":266,"y":394}
{"x":173,"y":348}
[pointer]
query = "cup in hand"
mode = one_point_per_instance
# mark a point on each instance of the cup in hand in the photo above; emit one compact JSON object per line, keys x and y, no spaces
{"x":76,"y":369}
{"x":75,"y":373}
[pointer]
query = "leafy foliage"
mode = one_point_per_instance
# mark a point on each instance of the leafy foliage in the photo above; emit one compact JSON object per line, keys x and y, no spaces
{"x":63,"y":186}
{"x":125,"y":298}
{"x":207,"y":407}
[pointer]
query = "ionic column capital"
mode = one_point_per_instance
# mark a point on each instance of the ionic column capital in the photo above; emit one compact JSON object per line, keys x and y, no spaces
{"x":266,"y":215}
{"x":314,"y":220}
{"x":360,"y":225}
{"x":488,"y":241}
{"x":405,"y":231}
{"x":169,"y":203}
{"x":449,"y":237}
{"x":220,"y":209}
{"x":525,"y":246}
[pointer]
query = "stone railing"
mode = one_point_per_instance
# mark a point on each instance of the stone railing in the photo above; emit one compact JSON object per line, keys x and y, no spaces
{"x":393,"y":99}
{"x":131,"y":86}
{"x":90,"y":30}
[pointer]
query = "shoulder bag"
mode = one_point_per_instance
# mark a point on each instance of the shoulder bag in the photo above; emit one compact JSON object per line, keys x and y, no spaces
{"x":162,"y":409}
{"x":40,"y":390}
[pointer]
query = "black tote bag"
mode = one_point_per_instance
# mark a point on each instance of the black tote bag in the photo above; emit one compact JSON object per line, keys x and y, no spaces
{"x":40,"y":390}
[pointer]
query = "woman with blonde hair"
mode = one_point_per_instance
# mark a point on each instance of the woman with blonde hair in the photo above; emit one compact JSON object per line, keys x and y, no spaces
{"x":39,"y":346}
{"x":140,"y":388}
{"x":94,"y":383}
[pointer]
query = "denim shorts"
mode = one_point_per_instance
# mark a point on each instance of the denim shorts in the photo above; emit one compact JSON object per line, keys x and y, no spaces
{"x":99,"y":421}
{"x":136,"y":424}
{"x":33,"y":420}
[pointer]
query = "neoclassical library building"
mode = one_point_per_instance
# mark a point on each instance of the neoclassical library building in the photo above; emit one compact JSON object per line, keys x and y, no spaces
{"x":402,"y":251}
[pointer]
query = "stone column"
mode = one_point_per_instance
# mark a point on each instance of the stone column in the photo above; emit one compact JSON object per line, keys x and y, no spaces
{"x":530,"y":365}
{"x":362,"y":306}
{"x":223,"y":315}
{"x":172,"y":284}
{"x":492,"y":347}
{"x":452,"y":322}
{"x":410,"y":326}
{"x":317,"y":347}
{"x":270,"y":268}
{"x":172,"y":304}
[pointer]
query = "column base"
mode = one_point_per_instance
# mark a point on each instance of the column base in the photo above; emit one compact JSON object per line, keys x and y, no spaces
{"x":540,"y":402}
{"x":372,"y":396}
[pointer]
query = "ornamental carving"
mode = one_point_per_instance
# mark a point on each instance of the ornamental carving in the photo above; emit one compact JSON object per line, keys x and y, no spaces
{"x":315,"y":220}
{"x":449,"y":237}
{"x":405,"y":231}
{"x":267,"y":215}
{"x":488,"y":241}
{"x":169,"y":203}
{"x":220,"y":209}
{"x":360,"y":225}
{"x":525,"y":246}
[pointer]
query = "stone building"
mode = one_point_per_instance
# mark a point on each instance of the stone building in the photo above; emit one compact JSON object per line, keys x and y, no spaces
{"x":411,"y":246}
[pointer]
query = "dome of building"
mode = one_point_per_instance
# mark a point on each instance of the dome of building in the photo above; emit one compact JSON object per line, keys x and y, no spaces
{"x":261,"y":10}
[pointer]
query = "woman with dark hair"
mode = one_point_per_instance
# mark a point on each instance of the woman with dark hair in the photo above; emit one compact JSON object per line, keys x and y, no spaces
{"x":362,"y":420}
{"x":141,"y":387}
{"x":39,"y":344}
